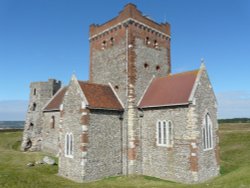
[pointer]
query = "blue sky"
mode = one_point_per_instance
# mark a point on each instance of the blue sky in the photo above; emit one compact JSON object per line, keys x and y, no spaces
{"x":41,"y":39}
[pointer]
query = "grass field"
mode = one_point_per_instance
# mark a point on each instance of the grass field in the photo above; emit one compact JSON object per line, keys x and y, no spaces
{"x":235,"y":166}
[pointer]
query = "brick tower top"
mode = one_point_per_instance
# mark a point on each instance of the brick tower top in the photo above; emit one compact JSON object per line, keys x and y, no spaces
{"x":130,"y":13}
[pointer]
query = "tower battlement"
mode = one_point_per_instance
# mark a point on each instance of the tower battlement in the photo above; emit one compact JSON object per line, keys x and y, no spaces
{"x":130,"y":14}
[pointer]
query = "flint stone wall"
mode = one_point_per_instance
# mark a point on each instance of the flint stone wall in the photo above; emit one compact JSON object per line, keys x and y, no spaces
{"x":50,"y":135}
{"x":159,"y":161}
{"x":208,"y":161}
{"x":104,"y":151}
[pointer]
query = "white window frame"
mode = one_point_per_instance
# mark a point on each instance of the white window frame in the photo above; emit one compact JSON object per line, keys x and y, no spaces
{"x":207,"y":133}
{"x":69,"y":145}
{"x":164,"y":133}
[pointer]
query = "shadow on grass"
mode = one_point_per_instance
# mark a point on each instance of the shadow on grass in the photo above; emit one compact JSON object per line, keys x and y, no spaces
{"x":157,"y":179}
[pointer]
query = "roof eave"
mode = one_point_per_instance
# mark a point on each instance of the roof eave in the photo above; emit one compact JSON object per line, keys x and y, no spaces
{"x":164,"y":105}
{"x":110,"y":109}
{"x":52,"y":110}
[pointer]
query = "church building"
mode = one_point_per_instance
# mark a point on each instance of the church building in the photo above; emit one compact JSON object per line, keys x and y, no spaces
{"x":133,"y":116}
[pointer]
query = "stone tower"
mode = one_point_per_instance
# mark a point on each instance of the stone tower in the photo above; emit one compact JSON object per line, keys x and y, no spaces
{"x":127,"y":52}
{"x":40,"y":94}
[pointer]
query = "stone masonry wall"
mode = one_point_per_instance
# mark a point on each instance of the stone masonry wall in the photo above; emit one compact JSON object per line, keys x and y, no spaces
{"x":167,"y":163}
{"x":208,"y":161}
{"x":108,"y":63}
{"x":70,"y":122}
{"x":104,"y":153}
{"x":149,"y":61}
{"x":50,"y":134}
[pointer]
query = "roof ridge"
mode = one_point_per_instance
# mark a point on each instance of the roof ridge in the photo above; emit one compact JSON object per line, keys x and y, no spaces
{"x":177,"y":74}
{"x":87,"y":82}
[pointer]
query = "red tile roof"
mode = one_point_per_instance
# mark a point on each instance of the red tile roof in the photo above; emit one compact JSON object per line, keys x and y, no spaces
{"x":54,"y":104}
{"x":170,"y":90}
{"x":100,"y":96}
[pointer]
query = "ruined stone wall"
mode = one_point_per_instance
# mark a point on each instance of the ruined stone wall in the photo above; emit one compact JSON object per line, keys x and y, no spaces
{"x":104,"y":150}
{"x":171,"y":163}
{"x":208,"y":161}
{"x":40,"y":94}
{"x":50,"y":133}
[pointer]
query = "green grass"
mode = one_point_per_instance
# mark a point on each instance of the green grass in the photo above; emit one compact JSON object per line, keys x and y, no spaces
{"x":235,"y":166}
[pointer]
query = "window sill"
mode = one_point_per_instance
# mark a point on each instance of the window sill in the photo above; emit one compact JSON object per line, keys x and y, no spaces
{"x":208,"y":149}
{"x":163,"y":145}
{"x":69,"y":156}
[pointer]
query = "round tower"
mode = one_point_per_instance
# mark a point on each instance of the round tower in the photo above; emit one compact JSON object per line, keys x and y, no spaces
{"x":40,"y":94}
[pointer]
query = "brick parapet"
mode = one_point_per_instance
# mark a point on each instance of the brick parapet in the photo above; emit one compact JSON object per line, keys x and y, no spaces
{"x":129,"y":13}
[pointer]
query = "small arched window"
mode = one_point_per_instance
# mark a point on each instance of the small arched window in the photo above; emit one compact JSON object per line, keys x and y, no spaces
{"x":34,"y":107}
{"x":34,"y":91}
{"x":155,"y":44}
{"x":147,"y":41}
{"x":158,"y":68}
{"x":112,"y":41}
{"x":52,"y":122}
{"x":31,"y":125}
{"x":207,"y":134}
{"x":104,"y":44}
{"x":69,"y":142}
{"x":145,"y":65}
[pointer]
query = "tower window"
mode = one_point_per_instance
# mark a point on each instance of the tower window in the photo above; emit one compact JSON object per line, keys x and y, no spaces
{"x":147,"y":41}
{"x":104,"y":44}
{"x":116,"y":87}
{"x":31,"y":125}
{"x":52,"y":122}
{"x":34,"y":107}
{"x":112,"y":41}
{"x":155,"y":44}
{"x":145,"y":65}
{"x":34,"y":92}
{"x":157,"y":67}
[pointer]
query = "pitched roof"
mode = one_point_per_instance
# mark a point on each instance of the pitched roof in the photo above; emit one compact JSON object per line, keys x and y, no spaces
{"x":170,"y":90}
{"x":56,"y":101}
{"x":100,"y":96}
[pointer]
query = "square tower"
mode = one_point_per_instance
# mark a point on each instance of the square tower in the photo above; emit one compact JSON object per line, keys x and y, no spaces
{"x":128,"y":51}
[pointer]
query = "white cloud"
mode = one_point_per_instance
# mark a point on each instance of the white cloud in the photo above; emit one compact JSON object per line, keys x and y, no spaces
{"x":235,"y":104}
{"x":13,"y":110}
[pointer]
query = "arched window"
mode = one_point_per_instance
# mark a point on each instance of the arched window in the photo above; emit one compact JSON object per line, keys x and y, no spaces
{"x":104,"y":44}
{"x":69,"y":141}
{"x":207,"y":134}
{"x":165,"y":134}
{"x":112,"y":41}
{"x":155,"y":44}
{"x":34,"y":92}
{"x":34,"y":107}
{"x":31,"y":125}
{"x":158,"y":68}
{"x":147,"y":41}
{"x":52,"y":122}
{"x":170,"y":134}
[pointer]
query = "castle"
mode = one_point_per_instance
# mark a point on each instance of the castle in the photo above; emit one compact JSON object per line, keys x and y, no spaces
{"x":132,"y":116}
